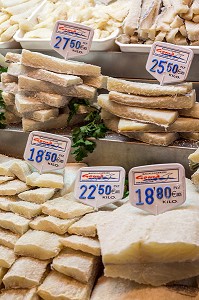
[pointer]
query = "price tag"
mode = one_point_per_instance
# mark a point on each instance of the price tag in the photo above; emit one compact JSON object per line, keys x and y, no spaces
{"x":157,"y":188}
{"x":99,"y":186}
{"x":71,"y":39}
{"x":47,"y":152}
{"x":169,"y":63}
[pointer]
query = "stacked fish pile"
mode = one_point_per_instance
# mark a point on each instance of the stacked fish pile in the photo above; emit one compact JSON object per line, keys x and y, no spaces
{"x":171,"y":21}
{"x":149,"y":112}
{"x":38,"y":88}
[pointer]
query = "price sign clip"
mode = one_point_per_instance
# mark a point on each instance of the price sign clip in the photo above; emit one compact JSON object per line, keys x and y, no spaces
{"x":157,"y":188}
{"x":71,"y":39}
{"x":169,"y":63}
{"x":47,"y":152}
{"x":99,"y":186}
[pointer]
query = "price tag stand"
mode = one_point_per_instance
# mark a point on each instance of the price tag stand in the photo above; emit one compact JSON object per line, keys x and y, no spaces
{"x":47,"y":152}
{"x":157,"y":188}
{"x":99,"y":186}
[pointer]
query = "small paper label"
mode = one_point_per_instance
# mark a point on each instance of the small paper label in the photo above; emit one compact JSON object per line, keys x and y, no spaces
{"x":169,"y":63}
{"x":71,"y":39}
{"x":157,"y":188}
{"x":99,"y":186}
{"x":47,"y":152}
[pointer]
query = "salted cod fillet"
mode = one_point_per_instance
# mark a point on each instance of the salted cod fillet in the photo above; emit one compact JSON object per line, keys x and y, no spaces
{"x":132,"y":20}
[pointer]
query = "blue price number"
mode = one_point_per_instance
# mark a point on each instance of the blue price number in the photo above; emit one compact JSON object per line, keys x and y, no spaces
{"x":101,"y":189}
{"x":161,"y":65}
{"x":150,"y":193}
{"x":49,"y":156}
{"x":65,"y":41}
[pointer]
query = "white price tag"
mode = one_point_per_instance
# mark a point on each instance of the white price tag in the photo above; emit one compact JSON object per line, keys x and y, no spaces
{"x":169,"y":63}
{"x":71,"y":39}
{"x":157,"y":188}
{"x":99,"y":186}
{"x":47,"y":152}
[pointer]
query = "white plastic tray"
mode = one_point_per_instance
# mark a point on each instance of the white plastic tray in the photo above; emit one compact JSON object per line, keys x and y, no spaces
{"x":146,"y":48}
{"x":44,"y":44}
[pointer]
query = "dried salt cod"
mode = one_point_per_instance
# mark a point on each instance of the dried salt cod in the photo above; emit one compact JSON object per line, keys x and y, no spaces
{"x":20,"y":169}
{"x":64,"y":209}
{"x":14,"y":223}
{"x":26,"y":272}
{"x":26,"y":104}
{"x":192,"y":30}
{"x":121,"y":289}
{"x":9,"y":99}
{"x":7,"y":257}
{"x":131,"y":22}
{"x":87,"y":225}
{"x":193,"y":136}
{"x":19,"y":294}
{"x":5,"y":202}
{"x":195,"y":7}
{"x":168,"y":102}
{"x":53,"y":100}
{"x":175,"y":37}
{"x":12,"y":57}
{"x":47,"y":180}
{"x":192,"y":112}
{"x":52,"y":224}
{"x":13,"y":187}
{"x":76,"y":264}
{"x":42,"y":115}
{"x":153,"y":273}
{"x":5,"y":179}
{"x":5,"y":167}
{"x":84,"y":244}
{"x":38,"y":244}
{"x":180,"y":6}
{"x":99,"y":82}
{"x":11,"y":118}
{"x":59,"y":122}
{"x":59,"y":286}
{"x":2,"y":273}
{"x":156,"y":239}
{"x":8,"y":238}
{"x":37,"y":196}
{"x":154,"y":116}
{"x":35,"y":85}
{"x":25,"y":209}
{"x":147,"y":89}
{"x":41,"y":61}
{"x":195,"y":178}
{"x":11,"y":88}
{"x":7,"y":78}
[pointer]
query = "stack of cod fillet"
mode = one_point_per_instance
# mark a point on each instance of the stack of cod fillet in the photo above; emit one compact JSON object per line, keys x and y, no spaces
{"x":38,"y":88}
{"x":149,"y":112}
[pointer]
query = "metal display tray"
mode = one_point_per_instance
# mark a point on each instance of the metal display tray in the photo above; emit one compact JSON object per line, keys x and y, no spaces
{"x":115,"y":149}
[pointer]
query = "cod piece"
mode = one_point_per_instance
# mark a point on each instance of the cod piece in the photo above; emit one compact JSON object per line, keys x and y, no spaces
{"x":158,"y":139}
{"x":168,"y":102}
{"x":155,"y":274}
{"x":52,"y":224}
{"x":99,"y":82}
{"x":193,"y":136}
{"x":59,"y":122}
{"x":5,"y":202}
{"x":195,"y":7}
{"x":21,"y":170}
{"x":38,"y":196}
{"x":10,"y":88}
{"x":25,"y":209}
{"x":38,"y":244}
{"x":14,"y":223}
{"x":41,"y":61}
{"x":70,"y":175}
{"x":7,"y":257}
{"x":128,"y":126}
{"x":84,"y":244}
{"x":8,"y":238}
{"x":76,"y":264}
{"x":45,"y":180}
{"x":59,"y":286}
{"x":192,"y":112}
{"x":131,"y":22}
{"x":147,"y":89}
{"x":27,"y":104}
{"x":156,"y":240}
{"x":5,"y":168}
{"x":11,"y":118}
{"x":87,"y":225}
{"x":195,"y":178}
{"x":5,"y":179}
{"x":2,"y":273}
{"x":194,"y":157}
{"x":52,"y":100}
{"x":13,"y":187}
{"x":19,"y":294}
{"x":42,"y":115}
{"x":121,"y":289}
{"x":25,"y":273}
{"x":64,"y":209}
{"x":192,"y":30}
{"x":12,"y":57}
{"x":6,"y":78}
{"x":146,"y":115}
{"x":9,"y":99}
{"x":35,"y":85}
